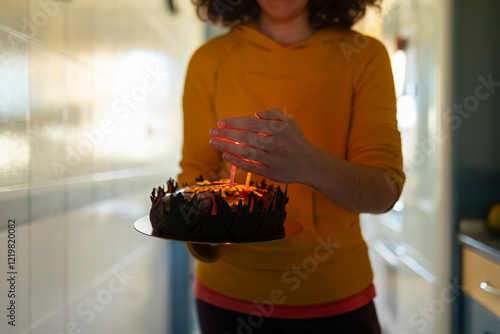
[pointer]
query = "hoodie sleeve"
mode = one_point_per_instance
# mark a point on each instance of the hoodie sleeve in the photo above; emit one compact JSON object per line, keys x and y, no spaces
{"x":199,"y":117}
{"x":198,"y":157}
{"x":374,"y":138}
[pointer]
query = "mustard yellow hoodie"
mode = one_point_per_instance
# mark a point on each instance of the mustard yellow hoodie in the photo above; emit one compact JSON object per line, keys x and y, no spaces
{"x":338,"y":87}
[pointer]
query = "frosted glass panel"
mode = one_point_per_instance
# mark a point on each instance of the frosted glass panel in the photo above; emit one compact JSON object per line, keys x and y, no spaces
{"x":48,"y":133}
{"x":14,"y":102}
{"x":90,"y":122}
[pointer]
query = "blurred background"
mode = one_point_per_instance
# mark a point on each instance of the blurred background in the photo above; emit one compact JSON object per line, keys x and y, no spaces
{"x":90,"y":122}
{"x":90,"y":117}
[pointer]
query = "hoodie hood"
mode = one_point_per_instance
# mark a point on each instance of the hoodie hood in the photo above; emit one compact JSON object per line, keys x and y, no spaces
{"x":249,"y":32}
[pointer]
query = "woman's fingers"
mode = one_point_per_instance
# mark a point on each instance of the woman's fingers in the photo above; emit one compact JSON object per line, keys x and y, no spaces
{"x":249,"y":166}
{"x":243,"y":137}
{"x":253,"y":124}
{"x":271,"y":145}
{"x":243,"y":151}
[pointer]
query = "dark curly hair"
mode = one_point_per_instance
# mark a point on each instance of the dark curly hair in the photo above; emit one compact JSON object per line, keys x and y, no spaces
{"x":341,"y":14}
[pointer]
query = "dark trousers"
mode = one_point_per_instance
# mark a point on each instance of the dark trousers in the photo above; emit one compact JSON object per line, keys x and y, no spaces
{"x":216,"y":320}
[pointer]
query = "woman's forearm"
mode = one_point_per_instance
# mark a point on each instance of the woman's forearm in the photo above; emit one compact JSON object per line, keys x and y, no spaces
{"x":275,"y":147}
{"x":354,"y":187}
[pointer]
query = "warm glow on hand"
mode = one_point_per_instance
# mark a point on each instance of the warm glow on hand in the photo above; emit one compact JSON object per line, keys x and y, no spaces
{"x":271,"y":145}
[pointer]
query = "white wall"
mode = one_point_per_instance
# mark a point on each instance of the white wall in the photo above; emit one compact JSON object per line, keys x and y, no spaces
{"x":86,"y":131}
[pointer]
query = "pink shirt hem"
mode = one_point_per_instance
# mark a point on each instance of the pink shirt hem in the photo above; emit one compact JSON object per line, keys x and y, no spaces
{"x":285,"y":311}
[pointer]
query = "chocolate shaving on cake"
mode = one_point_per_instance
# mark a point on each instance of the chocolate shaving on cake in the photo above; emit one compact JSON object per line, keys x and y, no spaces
{"x":202,"y":212}
{"x":171,"y":186}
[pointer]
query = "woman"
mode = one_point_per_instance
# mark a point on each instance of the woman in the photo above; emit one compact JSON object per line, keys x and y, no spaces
{"x":326,"y":126}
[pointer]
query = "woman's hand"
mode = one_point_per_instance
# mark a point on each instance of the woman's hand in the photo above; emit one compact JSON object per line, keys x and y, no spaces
{"x":274,"y":146}
{"x":271,"y":145}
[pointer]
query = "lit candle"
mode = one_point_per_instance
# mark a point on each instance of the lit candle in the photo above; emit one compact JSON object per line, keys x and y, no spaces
{"x":233,"y":170}
{"x":247,"y":183}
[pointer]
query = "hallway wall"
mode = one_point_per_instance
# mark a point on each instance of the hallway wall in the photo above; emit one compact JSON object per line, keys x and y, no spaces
{"x":90,"y":122}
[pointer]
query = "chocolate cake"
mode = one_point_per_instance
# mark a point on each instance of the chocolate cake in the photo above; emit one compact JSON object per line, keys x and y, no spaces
{"x":213,"y":212}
